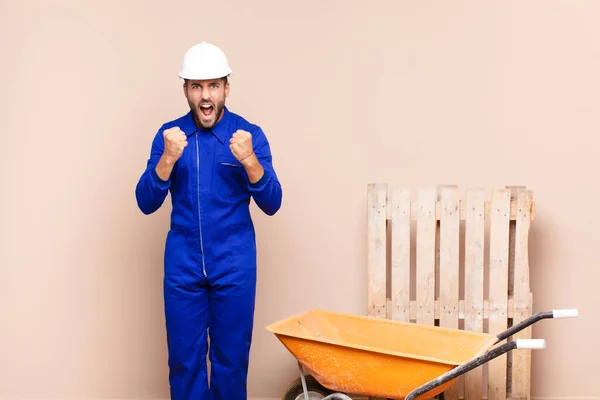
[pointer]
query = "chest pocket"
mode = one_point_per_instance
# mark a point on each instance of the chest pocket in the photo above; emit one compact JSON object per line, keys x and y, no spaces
{"x":230,"y":178}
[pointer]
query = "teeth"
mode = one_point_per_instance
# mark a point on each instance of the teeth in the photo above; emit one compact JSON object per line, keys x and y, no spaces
{"x":205,"y":106}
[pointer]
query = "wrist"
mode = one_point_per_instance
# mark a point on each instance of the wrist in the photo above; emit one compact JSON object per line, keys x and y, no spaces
{"x":164,"y":167}
{"x":250,"y":161}
{"x":167,"y":160}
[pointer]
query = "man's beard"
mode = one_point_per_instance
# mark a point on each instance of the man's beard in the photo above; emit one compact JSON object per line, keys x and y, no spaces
{"x":217,"y":110}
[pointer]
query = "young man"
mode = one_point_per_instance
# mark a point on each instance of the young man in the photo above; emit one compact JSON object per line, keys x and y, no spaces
{"x":213,"y":162}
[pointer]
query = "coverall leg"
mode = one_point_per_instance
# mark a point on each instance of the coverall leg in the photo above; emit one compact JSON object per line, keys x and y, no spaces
{"x":186,"y":314}
{"x":231,"y":304}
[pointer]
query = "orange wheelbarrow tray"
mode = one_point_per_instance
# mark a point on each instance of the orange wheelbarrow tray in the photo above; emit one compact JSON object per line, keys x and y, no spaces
{"x":367,"y":356}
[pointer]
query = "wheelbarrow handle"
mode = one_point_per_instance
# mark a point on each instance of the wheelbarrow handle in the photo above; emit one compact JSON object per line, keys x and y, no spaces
{"x":476,"y":362}
{"x":568,"y":313}
{"x":532,"y":344}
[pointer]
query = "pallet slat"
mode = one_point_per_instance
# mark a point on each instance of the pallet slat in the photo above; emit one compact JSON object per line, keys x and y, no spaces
{"x":426,"y":232}
{"x":498,"y":284}
{"x":521,"y":360}
{"x":449,"y":268}
{"x":400,"y":255}
{"x":377,"y":239}
{"x":449,"y":248}
{"x":474,"y":313}
{"x":463,"y":212}
{"x":462,"y":311}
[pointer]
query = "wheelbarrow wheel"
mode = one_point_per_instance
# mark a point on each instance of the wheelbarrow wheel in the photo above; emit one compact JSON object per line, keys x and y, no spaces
{"x":316,"y":391}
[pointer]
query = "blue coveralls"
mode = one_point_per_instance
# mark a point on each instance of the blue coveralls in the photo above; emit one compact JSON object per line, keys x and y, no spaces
{"x":210,"y":254}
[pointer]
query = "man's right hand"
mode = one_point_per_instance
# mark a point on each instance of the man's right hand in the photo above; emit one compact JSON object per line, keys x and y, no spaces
{"x":175,"y":142}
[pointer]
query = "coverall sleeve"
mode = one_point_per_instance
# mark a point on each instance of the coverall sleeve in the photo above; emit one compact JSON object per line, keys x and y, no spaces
{"x":267,"y":192}
{"x":151,"y":190}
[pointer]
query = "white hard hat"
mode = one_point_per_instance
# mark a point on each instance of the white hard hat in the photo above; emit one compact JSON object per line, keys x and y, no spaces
{"x":204,"y":61}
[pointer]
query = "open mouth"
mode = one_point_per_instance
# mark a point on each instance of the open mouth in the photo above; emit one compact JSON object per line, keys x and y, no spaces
{"x":206,"y":110}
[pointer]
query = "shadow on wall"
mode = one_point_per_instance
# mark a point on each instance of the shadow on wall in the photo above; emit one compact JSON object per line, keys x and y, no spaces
{"x":129,"y":344}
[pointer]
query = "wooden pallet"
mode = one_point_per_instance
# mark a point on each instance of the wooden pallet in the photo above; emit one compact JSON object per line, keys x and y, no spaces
{"x":442,"y":259}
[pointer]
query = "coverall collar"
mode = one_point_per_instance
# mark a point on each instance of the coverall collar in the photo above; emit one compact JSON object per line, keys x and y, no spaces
{"x":219,"y":130}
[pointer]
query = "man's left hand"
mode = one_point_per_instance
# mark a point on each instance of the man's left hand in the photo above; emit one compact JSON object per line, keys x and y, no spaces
{"x":241,"y":145}
{"x":242,"y":150}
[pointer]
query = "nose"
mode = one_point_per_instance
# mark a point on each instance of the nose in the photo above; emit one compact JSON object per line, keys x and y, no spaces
{"x":205,"y":94}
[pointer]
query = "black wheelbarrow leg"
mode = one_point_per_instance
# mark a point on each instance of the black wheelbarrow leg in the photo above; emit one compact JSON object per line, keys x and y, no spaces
{"x":303,"y":381}
{"x":333,"y":396}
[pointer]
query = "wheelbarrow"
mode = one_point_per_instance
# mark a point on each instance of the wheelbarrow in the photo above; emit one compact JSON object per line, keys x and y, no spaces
{"x":340,"y":355}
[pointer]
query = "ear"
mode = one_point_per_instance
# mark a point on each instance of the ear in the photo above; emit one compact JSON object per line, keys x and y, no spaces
{"x":227,"y":89}
{"x":185,"y":88}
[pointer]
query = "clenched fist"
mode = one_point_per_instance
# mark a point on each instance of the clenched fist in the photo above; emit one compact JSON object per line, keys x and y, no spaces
{"x":175,"y":142}
{"x":241,"y":145}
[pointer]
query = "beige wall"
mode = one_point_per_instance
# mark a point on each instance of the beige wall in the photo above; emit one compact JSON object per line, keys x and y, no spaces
{"x":466,"y":92}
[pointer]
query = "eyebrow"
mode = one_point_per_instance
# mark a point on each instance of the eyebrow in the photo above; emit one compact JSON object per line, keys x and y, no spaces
{"x":209,"y":83}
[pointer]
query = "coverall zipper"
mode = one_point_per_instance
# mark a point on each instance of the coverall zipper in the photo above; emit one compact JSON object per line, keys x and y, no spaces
{"x":199,"y":217}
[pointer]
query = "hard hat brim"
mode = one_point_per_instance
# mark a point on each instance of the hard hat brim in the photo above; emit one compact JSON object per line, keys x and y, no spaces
{"x":204,"y":77}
